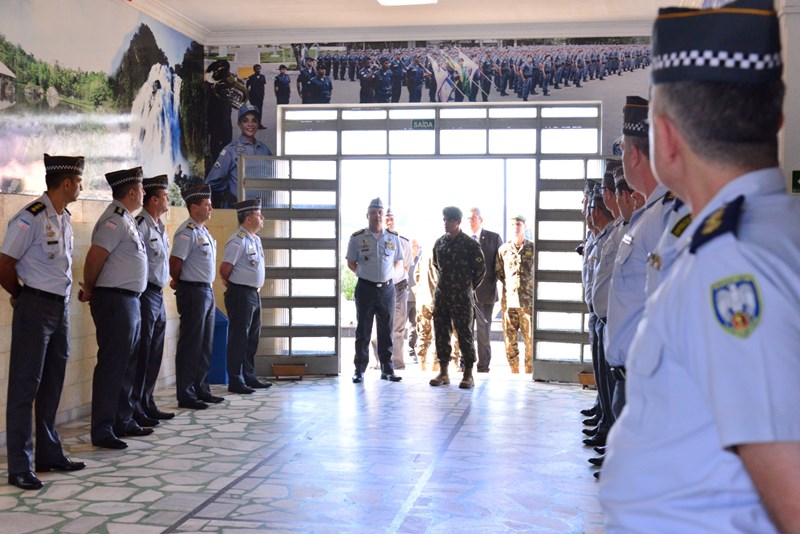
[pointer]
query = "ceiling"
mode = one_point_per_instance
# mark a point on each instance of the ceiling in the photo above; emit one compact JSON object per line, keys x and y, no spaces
{"x":213,"y":22}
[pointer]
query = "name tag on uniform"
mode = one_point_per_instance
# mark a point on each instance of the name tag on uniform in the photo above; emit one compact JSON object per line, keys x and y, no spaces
{"x":627,"y":239}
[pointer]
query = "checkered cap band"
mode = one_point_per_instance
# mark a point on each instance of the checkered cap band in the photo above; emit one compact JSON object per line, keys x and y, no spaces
{"x":630,"y":128}
{"x":157,"y":182}
{"x":717,"y":59}
{"x":202,"y":191}
{"x":248,"y":205}
{"x":126,"y":176}
{"x":54,"y":165}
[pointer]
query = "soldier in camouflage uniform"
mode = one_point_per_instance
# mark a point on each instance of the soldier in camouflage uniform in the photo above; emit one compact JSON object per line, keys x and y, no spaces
{"x":460,"y":267}
{"x":515,"y":274}
{"x":425,"y":285}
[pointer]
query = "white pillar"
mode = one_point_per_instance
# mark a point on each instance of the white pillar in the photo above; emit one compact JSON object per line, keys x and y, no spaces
{"x":789,"y":15}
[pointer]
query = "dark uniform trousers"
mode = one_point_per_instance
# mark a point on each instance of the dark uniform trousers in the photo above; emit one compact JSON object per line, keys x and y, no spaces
{"x":195,"y":334}
{"x":448,"y":316}
{"x":605,"y":379}
{"x":39,"y":349}
{"x":151,"y":349}
{"x":244,"y":313}
{"x":378,"y":304}
{"x":118,"y":321}
{"x":484,"y":332}
{"x":595,"y":369}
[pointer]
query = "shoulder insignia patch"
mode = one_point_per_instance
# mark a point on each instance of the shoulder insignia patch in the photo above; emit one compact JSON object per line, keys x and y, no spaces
{"x":191,"y":226}
{"x":669,"y":197}
{"x":119,"y":211}
{"x":722,"y":221}
{"x":241,"y":234}
{"x":36,"y":208}
{"x":736,"y":303}
{"x":359,"y":232}
{"x":681,"y":225}
{"x":139,"y":219}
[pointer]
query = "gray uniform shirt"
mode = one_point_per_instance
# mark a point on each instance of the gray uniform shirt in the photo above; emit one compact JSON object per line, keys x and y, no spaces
{"x":374,"y":258}
{"x":156,"y":243}
{"x":245,"y":253}
{"x":194,"y":245}
{"x":41,"y":241}
{"x":126,"y":264}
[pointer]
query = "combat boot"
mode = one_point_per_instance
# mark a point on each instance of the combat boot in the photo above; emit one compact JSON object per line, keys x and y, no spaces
{"x":442,"y":379}
{"x":467,"y":382}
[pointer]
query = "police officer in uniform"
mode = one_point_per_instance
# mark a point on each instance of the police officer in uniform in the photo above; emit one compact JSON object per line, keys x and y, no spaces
{"x":37,"y":249}
{"x":283,"y":86}
{"x":154,"y":315}
{"x":368,"y":82}
{"x":709,"y":439}
{"x":514,"y":271}
{"x":415,"y":76}
{"x":304,"y":80}
{"x":224,"y":175}
{"x":320,"y":88}
{"x":460,"y":267}
{"x":191,"y":267}
{"x":372,"y":254}
{"x":255,"y":89}
{"x":114,"y":276}
{"x":383,"y":82}
{"x":242,"y":271}
{"x":401,"y":288}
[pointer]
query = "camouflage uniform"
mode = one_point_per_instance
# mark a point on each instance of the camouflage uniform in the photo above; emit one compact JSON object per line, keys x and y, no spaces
{"x":423,"y":290}
{"x":459,"y":266}
{"x":515,"y":272}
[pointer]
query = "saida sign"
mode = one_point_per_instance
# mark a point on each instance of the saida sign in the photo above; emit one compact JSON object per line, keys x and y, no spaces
{"x":423,"y":124}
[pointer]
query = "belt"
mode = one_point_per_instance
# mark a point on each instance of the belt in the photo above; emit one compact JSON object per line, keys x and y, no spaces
{"x":401,"y":285}
{"x":619,"y":372}
{"x":242,"y":286}
{"x":126,"y":292}
{"x":154,"y":287}
{"x":194,"y":284}
{"x":376,"y":284}
{"x":43,"y":294}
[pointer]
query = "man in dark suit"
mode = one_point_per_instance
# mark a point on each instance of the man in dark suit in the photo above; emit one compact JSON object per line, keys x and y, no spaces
{"x":486,"y":292}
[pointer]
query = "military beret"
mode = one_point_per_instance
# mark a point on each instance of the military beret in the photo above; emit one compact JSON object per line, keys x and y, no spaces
{"x":125,"y":176}
{"x":57,"y":165}
{"x":157,"y":182}
{"x":375,"y":203}
{"x":634,"y":120}
{"x":736,"y":43}
{"x":247,"y":205}
{"x":249,"y":108}
{"x":452,"y":213}
{"x":198,"y":191}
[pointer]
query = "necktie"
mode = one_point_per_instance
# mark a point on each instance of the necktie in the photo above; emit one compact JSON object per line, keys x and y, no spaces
{"x":475,"y":237}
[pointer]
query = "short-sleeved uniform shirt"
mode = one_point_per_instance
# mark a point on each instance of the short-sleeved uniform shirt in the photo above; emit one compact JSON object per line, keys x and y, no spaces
{"x":156,"y":244}
{"x":126,"y":264}
{"x":245,"y":253}
{"x":714,"y":365}
{"x":604,"y":266}
{"x":41,"y":241}
{"x":374,"y":257}
{"x":224,"y":175}
{"x":678,"y":219}
{"x":194,"y":245}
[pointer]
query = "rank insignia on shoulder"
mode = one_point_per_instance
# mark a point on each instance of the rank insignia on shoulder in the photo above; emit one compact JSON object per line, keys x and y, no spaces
{"x":359,"y":232}
{"x":119,"y":211}
{"x":737,"y":304}
{"x":139,"y":219}
{"x":392,"y":232}
{"x":191,"y":226}
{"x":36,"y":208}
{"x":681,"y":225}
{"x":669,"y":197}
{"x":241,"y":234}
{"x":722,"y":221}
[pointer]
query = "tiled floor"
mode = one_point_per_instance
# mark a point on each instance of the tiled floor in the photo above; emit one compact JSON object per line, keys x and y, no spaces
{"x":326,"y":455}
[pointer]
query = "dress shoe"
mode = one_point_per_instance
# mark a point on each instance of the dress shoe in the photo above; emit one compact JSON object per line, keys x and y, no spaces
{"x":213,"y":399}
{"x":193,"y":405}
{"x":358,"y":378}
{"x":135,"y":431}
{"x":158,"y":414}
{"x":599,"y":439}
{"x":26,"y":480}
{"x":596,"y":475}
{"x":592,"y":421}
{"x":590,"y":431}
{"x":143,"y":420}
{"x":110,"y":443}
{"x":241,"y":389}
{"x":597,"y":461}
{"x":391,"y":377}
{"x":66,"y":464}
{"x":588,"y":412}
{"x":257,"y":384}
{"x":600,"y":450}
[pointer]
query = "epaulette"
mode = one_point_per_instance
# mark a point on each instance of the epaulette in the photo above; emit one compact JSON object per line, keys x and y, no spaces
{"x":681,"y":225}
{"x":669,"y":197}
{"x":139,"y":219}
{"x":119,"y":211}
{"x":36,"y":208}
{"x":402,"y":237}
{"x":722,"y":221}
{"x":678,"y":204}
{"x":359,"y":232}
{"x":68,"y":212}
{"x":392,"y":232}
{"x":191,"y":226}
{"x":241,"y":234}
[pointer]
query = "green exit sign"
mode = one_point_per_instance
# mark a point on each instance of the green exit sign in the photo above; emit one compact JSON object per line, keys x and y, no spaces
{"x":422,"y":124}
{"x":796,"y":182}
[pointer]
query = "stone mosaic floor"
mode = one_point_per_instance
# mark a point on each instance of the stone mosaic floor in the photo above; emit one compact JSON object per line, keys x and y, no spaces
{"x":325,"y":455}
